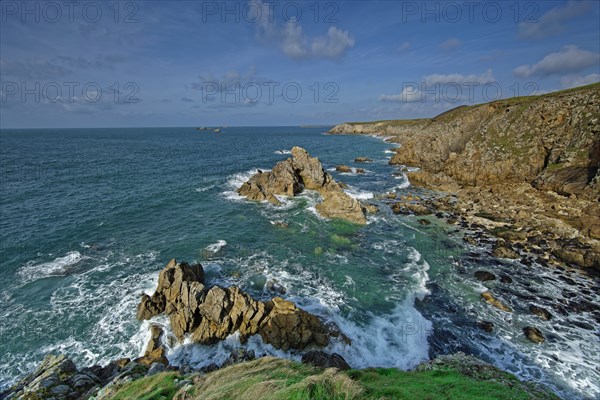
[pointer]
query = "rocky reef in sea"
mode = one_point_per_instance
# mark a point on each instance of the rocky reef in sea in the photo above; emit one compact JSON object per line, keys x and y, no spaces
{"x":297,"y":173}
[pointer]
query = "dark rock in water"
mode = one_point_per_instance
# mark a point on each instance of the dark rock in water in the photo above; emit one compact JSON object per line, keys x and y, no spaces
{"x":275,"y":286}
{"x":362,"y":159}
{"x":360,"y":171}
{"x":325,"y":360}
{"x":406,"y":208}
{"x":484,"y":276}
{"x":424,"y":221}
{"x":505,"y":278}
{"x":534,"y":334}
{"x":540,"y":312}
{"x":486,"y":326}
{"x":568,"y":280}
{"x":489,"y":297}
{"x":343,"y":168}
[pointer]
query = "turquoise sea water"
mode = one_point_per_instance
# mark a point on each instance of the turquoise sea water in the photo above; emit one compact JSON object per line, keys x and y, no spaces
{"x":89,"y":217}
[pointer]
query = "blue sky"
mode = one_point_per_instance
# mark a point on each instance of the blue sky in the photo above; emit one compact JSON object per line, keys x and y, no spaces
{"x":193,"y":63}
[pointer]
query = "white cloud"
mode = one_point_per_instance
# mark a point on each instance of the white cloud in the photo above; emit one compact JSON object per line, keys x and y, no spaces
{"x":295,"y":43}
{"x":450,"y":44}
{"x":408,"y":95}
{"x":412,"y":93}
{"x":570,"y":59}
{"x":571,"y":81}
{"x":433,"y":79}
{"x":553,"y":21}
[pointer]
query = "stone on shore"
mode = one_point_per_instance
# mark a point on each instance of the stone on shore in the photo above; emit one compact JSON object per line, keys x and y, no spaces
{"x":489,"y":297}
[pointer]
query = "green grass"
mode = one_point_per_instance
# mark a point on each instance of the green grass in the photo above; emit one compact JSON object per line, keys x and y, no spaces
{"x":271,"y":378}
{"x":435,"y":385}
{"x":157,"y":387}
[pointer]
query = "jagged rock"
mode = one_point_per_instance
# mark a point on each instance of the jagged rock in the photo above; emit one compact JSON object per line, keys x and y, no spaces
{"x":408,"y":208}
{"x":325,"y":360}
{"x":211,"y":315}
{"x":534,"y":334}
{"x":343,"y":168}
{"x":486,"y":326}
{"x":488,"y":297}
{"x":540,"y":312}
{"x":301,"y":171}
{"x":484,"y":276}
{"x":155,"y":350}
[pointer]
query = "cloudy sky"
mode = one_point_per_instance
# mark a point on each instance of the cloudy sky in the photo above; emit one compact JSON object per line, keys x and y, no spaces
{"x":194,"y":63}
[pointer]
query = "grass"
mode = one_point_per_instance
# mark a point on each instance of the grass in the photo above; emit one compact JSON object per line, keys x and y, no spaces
{"x":156,"y":387}
{"x":437,"y":384}
{"x":272,"y":378}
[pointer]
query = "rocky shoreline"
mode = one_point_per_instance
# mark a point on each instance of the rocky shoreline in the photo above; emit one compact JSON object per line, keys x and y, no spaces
{"x":207,"y":315}
{"x":523,"y":171}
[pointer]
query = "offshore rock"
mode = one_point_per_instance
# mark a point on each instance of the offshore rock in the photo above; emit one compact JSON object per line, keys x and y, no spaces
{"x":301,"y":171}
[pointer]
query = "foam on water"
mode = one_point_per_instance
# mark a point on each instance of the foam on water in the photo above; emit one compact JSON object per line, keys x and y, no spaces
{"x":58,"y":267}
{"x":216,"y":247}
{"x":283,"y":152}
{"x":358,"y":194}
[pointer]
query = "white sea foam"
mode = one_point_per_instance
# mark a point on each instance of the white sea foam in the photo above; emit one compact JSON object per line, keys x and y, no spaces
{"x":58,"y":267}
{"x":216,"y":247}
{"x":358,"y":194}
{"x":204,"y":188}
{"x":283,"y":152}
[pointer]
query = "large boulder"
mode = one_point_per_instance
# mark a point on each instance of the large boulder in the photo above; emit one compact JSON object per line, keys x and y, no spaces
{"x":209,"y":315}
{"x":301,"y":171}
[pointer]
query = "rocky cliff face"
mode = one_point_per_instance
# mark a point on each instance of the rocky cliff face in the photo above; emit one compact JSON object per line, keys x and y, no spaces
{"x":551,"y":141}
{"x":526,"y":165}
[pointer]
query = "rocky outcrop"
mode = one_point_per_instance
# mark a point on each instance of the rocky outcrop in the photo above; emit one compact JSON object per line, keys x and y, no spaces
{"x":56,"y":376}
{"x":531,"y":165}
{"x":534,"y":334}
{"x":209,"y":315}
{"x":325,"y":360}
{"x":301,"y":171}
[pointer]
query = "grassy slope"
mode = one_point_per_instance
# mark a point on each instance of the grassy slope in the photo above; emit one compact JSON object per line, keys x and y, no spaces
{"x":522,"y":100}
{"x":273,"y":378}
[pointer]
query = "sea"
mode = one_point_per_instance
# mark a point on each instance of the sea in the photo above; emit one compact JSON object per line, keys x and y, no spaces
{"x":89,"y":217}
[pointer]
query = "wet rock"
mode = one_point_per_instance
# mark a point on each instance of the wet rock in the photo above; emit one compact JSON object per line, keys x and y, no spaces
{"x":505,"y":278}
{"x":155,"y":368}
{"x":410,"y":208}
{"x":275,"y":286}
{"x":486,"y":326}
{"x":533,"y":334}
{"x":423,"y":221}
{"x":360,"y":171}
{"x":343,"y":168}
{"x":504,"y":252}
{"x":540,"y":312}
{"x":489,"y":297}
{"x":484,"y":276}
{"x":325,"y":360}
{"x":155,"y":351}
{"x":362,"y":159}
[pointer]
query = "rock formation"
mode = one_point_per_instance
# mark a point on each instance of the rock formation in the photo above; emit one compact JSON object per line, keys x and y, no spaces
{"x":209,"y":315}
{"x":301,"y":171}
{"x":529,"y":165}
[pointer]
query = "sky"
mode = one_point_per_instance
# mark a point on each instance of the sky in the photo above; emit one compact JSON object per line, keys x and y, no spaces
{"x":66,"y":64}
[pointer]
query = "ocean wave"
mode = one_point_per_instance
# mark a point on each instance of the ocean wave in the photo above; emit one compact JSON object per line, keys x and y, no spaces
{"x":283,"y":152}
{"x":216,"y":247}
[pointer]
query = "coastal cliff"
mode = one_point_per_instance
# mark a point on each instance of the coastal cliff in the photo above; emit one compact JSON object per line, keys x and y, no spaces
{"x":529,"y":165}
